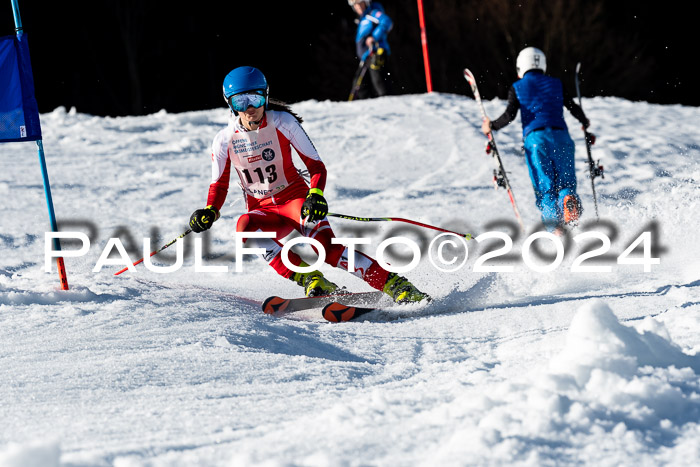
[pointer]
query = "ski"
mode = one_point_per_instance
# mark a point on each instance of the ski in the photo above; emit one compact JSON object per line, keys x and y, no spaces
{"x":499,"y":173}
{"x":337,"y":312}
{"x":594,"y":168}
{"x":277,"y":305}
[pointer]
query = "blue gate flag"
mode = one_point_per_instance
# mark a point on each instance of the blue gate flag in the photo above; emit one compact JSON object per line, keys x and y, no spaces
{"x":19,"y":113}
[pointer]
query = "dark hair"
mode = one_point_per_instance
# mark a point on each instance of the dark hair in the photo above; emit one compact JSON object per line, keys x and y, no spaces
{"x":284,"y":107}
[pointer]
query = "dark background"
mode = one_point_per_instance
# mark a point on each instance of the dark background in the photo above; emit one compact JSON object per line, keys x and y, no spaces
{"x":133,"y":57}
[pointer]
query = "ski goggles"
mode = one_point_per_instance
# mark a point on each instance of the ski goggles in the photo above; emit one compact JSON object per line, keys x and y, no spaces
{"x":240,"y":102}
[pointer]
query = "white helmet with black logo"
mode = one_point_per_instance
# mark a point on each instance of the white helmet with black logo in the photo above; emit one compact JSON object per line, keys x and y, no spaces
{"x":530,"y":58}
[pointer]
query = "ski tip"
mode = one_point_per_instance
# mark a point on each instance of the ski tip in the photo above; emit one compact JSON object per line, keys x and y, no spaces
{"x":274,"y":304}
{"x":337,"y":312}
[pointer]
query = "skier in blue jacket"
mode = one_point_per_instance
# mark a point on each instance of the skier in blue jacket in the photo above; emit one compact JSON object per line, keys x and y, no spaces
{"x":549,"y":149}
{"x":372,"y":46}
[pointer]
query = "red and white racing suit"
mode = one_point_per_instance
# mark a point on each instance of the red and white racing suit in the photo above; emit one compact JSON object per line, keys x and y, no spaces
{"x":275,"y":191}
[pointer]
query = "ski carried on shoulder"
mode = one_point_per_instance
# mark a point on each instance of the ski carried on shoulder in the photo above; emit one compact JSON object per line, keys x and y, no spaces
{"x":278,"y":305}
{"x":499,"y":173}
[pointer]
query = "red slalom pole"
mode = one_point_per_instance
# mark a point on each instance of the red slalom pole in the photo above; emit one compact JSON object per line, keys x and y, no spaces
{"x":62,"y":276}
{"x":424,"y":43}
{"x":468,"y":236}
{"x":157,"y":251}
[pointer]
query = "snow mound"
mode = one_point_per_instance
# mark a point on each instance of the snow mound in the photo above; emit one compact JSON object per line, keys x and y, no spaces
{"x":598,"y":342}
{"x":31,"y":455}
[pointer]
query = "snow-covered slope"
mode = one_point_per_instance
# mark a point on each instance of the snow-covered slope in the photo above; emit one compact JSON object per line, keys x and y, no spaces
{"x":525,"y":367}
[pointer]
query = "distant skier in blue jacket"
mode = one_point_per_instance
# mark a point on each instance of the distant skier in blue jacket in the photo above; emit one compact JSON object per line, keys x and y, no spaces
{"x":549,"y":149}
{"x":372,"y":46}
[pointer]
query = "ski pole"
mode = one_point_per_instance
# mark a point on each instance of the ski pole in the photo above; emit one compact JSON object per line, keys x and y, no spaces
{"x":398,"y":219}
{"x":593,"y":170}
{"x":357,"y":83}
{"x":359,"y":75}
{"x":157,"y":251}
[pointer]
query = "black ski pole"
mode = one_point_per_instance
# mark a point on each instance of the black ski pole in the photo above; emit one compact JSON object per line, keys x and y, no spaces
{"x":359,"y":76}
{"x":594,"y":169}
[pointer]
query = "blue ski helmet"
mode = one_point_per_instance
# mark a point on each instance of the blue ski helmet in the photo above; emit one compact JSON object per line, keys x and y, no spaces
{"x":245,"y":78}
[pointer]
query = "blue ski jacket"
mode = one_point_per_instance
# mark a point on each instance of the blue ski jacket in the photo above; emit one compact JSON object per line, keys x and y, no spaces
{"x":541,"y":102}
{"x":540,"y":99}
{"x":375,"y":23}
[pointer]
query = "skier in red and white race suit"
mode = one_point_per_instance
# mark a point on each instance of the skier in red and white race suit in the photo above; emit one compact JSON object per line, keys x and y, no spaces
{"x":257,"y":145}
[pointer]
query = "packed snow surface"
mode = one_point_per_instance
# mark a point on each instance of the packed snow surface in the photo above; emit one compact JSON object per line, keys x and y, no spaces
{"x":529,"y":366}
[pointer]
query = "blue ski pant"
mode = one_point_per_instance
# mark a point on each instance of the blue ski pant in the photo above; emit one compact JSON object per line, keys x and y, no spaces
{"x":550,"y":160}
